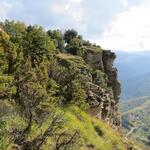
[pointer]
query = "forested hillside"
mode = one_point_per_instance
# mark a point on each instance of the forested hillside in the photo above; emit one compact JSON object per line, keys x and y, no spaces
{"x":57,"y":91}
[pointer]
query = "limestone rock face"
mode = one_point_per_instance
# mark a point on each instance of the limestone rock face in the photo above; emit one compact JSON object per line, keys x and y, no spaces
{"x":94,"y":59}
{"x":104,"y":101}
{"x":100,"y":82}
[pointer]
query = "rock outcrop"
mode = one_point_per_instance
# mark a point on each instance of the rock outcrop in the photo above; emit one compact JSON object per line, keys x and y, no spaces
{"x":100,"y":81}
{"x":104,"y":101}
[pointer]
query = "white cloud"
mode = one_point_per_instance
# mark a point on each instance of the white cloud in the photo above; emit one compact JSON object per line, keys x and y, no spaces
{"x":125,"y":3}
{"x":76,"y":1}
{"x":119,"y":24}
{"x":4,"y":9}
{"x":130,"y":30}
{"x":70,"y":13}
{"x":87,"y":16}
{"x":57,"y":9}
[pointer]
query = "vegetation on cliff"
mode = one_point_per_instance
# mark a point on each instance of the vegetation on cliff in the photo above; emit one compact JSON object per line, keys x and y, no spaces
{"x":48,"y":82}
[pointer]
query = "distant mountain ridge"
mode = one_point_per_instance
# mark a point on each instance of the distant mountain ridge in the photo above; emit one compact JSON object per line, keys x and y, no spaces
{"x":134,"y":73}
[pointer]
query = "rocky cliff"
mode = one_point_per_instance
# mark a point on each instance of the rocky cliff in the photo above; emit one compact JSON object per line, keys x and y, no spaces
{"x":104,"y":101}
{"x":100,"y":81}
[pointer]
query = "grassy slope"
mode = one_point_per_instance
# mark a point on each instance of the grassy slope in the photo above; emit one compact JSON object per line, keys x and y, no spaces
{"x":75,"y":120}
{"x":86,"y":125}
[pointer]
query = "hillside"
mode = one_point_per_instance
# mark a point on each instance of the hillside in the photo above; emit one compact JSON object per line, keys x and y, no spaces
{"x":133,"y":103}
{"x":87,"y":132}
{"x":57,"y":91}
{"x":136,"y":120}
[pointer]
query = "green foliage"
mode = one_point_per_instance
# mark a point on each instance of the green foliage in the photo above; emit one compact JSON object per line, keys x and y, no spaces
{"x":12,"y":44}
{"x":69,"y":35}
{"x":16,"y":30}
{"x":38,"y":45}
{"x":4,"y":39}
{"x":58,"y":39}
{"x":99,"y":78}
{"x":10,"y":120}
{"x":79,"y":120}
{"x":78,"y":94}
{"x":6,"y":87}
{"x":2,"y":135}
{"x":74,"y":47}
{"x":6,"y":60}
{"x":43,"y":90}
{"x":87,"y":43}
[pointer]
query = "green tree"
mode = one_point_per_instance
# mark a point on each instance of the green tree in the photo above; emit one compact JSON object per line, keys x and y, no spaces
{"x":30,"y":91}
{"x":6,"y":59}
{"x":78,"y":94}
{"x":4,"y":39}
{"x":69,"y":35}
{"x":16,"y":30}
{"x":74,"y":47}
{"x":58,"y":39}
{"x":17,"y":34}
{"x":99,"y":78}
{"x":38,"y":45}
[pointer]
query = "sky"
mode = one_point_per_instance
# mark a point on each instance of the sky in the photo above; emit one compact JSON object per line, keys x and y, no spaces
{"x":112,"y":24}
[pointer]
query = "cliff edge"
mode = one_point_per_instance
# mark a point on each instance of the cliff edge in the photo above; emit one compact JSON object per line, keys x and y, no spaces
{"x":104,"y":100}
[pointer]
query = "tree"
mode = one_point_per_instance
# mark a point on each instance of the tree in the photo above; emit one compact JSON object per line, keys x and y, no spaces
{"x":38,"y":45}
{"x":16,"y":30}
{"x":4,"y":40}
{"x":55,"y":124}
{"x":62,"y":139}
{"x":69,"y":35}
{"x":6,"y":60}
{"x":17,"y":34}
{"x":67,"y":141}
{"x":99,"y":78}
{"x":30,"y":83}
{"x":74,"y":47}
{"x":78,"y":94}
{"x":57,"y":37}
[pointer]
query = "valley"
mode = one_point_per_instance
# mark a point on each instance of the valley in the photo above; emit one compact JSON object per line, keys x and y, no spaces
{"x":134,"y":75}
{"x":136,"y":120}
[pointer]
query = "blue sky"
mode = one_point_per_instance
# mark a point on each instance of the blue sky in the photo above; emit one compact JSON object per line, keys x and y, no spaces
{"x":113,"y":24}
